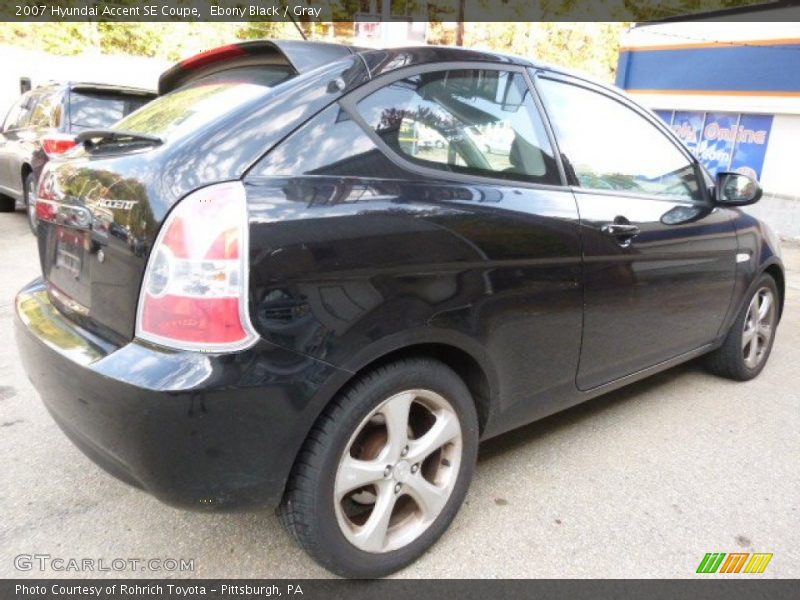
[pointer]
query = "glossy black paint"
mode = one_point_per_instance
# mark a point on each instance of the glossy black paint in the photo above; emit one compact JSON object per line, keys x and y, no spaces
{"x":356,"y":256}
{"x":665,"y":294}
{"x":197,"y":430}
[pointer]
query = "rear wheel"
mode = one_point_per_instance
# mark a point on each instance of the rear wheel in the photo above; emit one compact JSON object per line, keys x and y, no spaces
{"x":385,"y":469}
{"x":747,"y":347}
{"x":7,"y":204}
{"x":29,"y":195}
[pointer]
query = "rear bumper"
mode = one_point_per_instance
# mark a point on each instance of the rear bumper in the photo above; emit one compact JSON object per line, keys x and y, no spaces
{"x":200,"y":431}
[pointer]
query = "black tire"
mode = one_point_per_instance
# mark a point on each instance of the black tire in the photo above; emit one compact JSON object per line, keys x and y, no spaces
{"x":28,"y":188}
{"x":7,"y":204}
{"x":308,"y":508}
{"x":728,"y":360}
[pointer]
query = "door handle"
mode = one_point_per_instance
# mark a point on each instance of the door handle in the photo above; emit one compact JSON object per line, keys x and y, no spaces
{"x":620,"y":229}
{"x":623,"y":232}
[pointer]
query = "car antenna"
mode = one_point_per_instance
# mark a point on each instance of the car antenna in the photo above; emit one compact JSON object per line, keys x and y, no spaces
{"x":299,"y":29}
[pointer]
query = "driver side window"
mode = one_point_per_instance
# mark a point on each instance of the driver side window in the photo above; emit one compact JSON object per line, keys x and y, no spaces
{"x":611,"y":147}
{"x":476,"y":121}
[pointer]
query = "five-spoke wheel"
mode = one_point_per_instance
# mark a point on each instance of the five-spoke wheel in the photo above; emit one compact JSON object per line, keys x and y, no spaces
{"x":747,"y":346}
{"x":384,"y":471}
{"x":398,"y":470}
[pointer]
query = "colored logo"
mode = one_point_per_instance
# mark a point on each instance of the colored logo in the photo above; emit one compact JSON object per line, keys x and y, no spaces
{"x":735,"y":562}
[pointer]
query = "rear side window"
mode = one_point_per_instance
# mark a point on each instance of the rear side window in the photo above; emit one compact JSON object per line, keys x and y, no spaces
{"x":612,"y":147}
{"x":89,"y":110}
{"x":340,"y":148}
{"x":476,"y":121}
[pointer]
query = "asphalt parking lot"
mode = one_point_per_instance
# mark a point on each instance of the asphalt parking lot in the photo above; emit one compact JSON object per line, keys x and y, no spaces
{"x":639,"y":483}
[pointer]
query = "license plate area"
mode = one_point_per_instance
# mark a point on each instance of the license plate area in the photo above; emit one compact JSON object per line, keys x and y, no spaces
{"x":70,"y":251}
{"x":69,"y":271}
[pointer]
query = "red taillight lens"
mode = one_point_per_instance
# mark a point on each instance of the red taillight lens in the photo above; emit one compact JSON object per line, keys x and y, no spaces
{"x":211,"y":56}
{"x":194,"y":293}
{"x":46,"y":210}
{"x":53,"y":145}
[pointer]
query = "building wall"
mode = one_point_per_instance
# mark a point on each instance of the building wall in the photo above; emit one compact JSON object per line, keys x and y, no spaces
{"x":780,"y":206}
{"x":780,"y":174}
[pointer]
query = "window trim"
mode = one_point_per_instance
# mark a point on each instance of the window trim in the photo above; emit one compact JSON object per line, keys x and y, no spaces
{"x":350,"y":101}
{"x":648,"y":116}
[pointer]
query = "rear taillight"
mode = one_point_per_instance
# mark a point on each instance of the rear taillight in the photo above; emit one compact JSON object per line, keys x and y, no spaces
{"x":194,"y":293}
{"x":57,"y":144}
{"x":46,"y":195}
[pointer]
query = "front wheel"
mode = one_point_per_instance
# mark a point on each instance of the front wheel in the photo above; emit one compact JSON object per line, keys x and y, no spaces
{"x":748,"y":344}
{"x":385,"y":469}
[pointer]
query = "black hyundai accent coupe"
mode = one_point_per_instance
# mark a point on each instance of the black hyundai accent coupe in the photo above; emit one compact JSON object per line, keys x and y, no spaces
{"x":314,"y":277}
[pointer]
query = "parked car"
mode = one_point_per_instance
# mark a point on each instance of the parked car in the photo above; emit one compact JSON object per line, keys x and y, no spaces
{"x":294,"y":308}
{"x":43,"y":123}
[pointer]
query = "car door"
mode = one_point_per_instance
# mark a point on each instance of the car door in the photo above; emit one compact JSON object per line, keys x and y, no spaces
{"x":7,"y":136}
{"x":659,"y":256}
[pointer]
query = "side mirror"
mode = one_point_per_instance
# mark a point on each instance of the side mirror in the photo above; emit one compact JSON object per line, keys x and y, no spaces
{"x":735,"y":189}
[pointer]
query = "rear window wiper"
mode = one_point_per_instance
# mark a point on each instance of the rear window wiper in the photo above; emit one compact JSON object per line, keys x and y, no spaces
{"x":96,"y":137}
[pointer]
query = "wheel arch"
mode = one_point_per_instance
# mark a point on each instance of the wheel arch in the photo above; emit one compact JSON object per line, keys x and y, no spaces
{"x":775,"y":271}
{"x":459,"y":351}
{"x":465,"y":365}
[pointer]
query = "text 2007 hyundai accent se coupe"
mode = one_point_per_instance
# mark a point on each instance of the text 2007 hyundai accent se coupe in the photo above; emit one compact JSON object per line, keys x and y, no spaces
{"x":301,"y":278}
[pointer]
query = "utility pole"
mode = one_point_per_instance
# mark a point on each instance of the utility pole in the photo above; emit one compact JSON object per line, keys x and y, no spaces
{"x":460,"y":25}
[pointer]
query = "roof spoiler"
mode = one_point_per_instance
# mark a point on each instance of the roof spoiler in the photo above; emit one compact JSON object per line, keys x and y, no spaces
{"x":300,"y":56}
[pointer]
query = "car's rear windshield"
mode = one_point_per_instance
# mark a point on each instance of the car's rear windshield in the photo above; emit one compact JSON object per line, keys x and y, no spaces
{"x":100,"y":110}
{"x":204,"y":100}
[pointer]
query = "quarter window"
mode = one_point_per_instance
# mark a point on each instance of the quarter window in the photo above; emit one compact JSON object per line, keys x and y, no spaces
{"x":482,"y":122}
{"x":611,"y":147}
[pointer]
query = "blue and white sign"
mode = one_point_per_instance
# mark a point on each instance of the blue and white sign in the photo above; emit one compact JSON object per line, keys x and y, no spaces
{"x":689,"y":127}
{"x":723,"y":141}
{"x":719,"y":137}
{"x":751,"y":144}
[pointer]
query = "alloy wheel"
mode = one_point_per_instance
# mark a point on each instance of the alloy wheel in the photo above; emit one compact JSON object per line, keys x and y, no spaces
{"x":398,"y":471}
{"x":759,"y":326}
